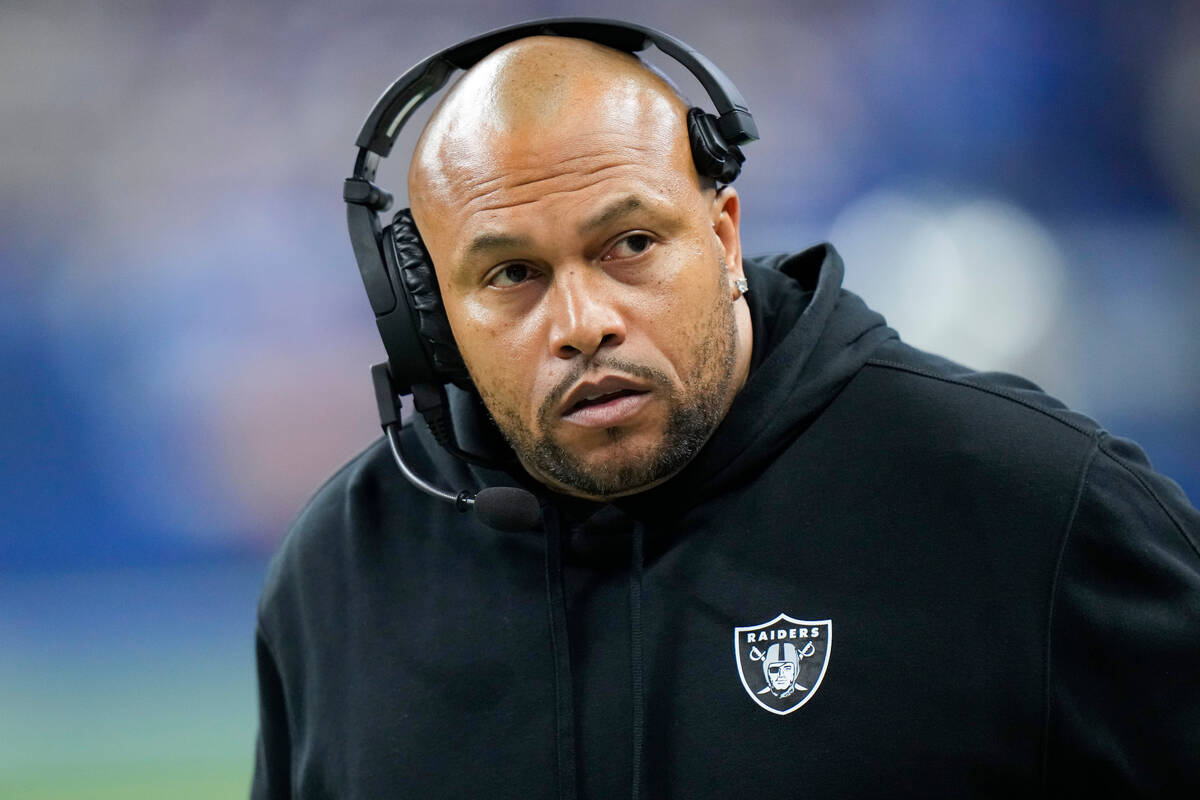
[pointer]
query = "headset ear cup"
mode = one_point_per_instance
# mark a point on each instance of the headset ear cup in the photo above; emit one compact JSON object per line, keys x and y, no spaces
{"x":419,"y":286}
{"x":714,"y":158}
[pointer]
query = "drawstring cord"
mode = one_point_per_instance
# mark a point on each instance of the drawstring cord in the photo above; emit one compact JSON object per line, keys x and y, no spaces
{"x":637,"y":558}
{"x":564,"y":711}
{"x":560,"y":646}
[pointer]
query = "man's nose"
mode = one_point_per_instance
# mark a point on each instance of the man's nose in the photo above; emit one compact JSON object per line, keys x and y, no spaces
{"x":585,"y":314}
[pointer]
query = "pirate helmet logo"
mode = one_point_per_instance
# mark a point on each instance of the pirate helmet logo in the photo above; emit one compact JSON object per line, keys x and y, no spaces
{"x":791,"y":656}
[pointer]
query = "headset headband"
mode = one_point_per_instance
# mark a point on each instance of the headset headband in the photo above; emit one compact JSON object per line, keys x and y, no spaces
{"x":406,"y":94}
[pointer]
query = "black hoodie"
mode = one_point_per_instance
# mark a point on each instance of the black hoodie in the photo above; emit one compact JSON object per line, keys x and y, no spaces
{"x":884,"y":575}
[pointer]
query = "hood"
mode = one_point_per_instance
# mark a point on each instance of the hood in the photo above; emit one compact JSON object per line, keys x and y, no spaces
{"x":810,"y":337}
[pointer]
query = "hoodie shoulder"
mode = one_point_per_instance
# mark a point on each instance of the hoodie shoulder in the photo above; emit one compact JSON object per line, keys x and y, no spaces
{"x":989,"y":433}
{"x":1021,"y":394}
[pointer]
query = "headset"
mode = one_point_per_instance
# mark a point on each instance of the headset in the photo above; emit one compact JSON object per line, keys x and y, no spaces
{"x":422,"y":357}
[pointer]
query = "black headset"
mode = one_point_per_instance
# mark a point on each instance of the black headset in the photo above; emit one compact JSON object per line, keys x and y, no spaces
{"x":422,"y":356}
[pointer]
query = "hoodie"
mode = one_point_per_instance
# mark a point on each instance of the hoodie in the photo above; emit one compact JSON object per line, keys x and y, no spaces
{"x":884,"y":574}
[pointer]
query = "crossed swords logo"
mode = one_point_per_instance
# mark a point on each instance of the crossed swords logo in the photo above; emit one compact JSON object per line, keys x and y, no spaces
{"x":759,"y":655}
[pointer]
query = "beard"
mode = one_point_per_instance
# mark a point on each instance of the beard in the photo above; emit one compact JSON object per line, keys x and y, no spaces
{"x":693,"y":412}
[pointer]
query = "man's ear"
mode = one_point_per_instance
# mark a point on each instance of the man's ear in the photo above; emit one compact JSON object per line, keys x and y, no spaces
{"x":726,"y":218}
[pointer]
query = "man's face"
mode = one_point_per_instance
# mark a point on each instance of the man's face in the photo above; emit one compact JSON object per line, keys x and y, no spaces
{"x":782,"y":674}
{"x":588,"y":281}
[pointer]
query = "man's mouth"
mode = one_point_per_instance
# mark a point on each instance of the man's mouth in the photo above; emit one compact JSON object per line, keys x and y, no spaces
{"x":601,"y":399}
{"x":605,"y":402}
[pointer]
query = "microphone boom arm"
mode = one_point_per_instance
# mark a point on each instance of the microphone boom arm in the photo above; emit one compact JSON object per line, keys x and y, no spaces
{"x":462,"y":501}
{"x":505,"y":508}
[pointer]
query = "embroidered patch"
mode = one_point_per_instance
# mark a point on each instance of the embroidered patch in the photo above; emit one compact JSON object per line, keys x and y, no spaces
{"x":782,"y":662}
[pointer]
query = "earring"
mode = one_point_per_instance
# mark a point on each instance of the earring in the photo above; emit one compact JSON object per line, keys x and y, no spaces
{"x":742,"y":286}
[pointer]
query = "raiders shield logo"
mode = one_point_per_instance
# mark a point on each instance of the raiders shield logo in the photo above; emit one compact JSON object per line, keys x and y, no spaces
{"x":782,"y":662}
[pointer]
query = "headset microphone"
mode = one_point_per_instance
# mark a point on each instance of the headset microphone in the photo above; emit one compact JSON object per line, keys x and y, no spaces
{"x":505,"y":508}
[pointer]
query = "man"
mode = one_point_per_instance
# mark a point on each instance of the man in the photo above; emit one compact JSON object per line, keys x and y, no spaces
{"x":781,"y":666}
{"x":718,"y":444}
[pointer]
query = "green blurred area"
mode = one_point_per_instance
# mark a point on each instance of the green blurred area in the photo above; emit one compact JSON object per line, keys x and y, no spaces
{"x":130,"y":683}
{"x":184,"y":781}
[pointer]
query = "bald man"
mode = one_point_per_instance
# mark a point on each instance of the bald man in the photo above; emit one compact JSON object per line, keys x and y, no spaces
{"x":590,"y":275}
{"x":724,"y":449}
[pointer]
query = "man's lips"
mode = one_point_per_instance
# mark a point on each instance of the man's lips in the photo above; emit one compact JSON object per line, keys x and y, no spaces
{"x":604,"y":402}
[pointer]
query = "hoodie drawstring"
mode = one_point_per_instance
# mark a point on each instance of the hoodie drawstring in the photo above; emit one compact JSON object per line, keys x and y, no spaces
{"x":637,"y":558}
{"x":564,"y":711}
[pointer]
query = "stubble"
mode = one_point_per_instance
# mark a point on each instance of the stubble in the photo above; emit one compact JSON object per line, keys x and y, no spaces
{"x":694,"y":412}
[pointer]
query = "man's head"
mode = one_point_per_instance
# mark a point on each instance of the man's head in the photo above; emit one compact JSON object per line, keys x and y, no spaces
{"x":780,"y":665}
{"x":586,"y":269}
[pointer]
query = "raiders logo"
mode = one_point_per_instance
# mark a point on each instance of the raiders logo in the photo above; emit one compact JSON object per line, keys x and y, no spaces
{"x":782,"y":662}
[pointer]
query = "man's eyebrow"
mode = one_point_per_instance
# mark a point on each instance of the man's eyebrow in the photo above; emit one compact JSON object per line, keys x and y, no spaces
{"x":612,"y":211}
{"x":486,"y":242}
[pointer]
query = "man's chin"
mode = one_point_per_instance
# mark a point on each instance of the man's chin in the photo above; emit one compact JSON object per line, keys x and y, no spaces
{"x":604,"y":473}
{"x":605,"y":463}
{"x":603,"y":493}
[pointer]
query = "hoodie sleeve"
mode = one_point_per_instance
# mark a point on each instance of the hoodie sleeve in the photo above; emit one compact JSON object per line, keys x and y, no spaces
{"x":1123,"y":705}
{"x":272,"y":756}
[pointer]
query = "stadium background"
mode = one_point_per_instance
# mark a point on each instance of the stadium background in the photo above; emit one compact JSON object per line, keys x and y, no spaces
{"x":184,"y":341}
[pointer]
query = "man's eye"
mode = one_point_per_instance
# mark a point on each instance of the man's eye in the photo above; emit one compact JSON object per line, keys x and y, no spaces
{"x":511,"y":275}
{"x":629,"y":247}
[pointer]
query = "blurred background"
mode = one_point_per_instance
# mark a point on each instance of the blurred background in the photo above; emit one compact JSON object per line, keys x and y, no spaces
{"x":184,"y":340}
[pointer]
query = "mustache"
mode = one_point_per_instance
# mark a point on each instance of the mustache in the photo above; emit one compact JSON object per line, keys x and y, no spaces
{"x":631,"y":368}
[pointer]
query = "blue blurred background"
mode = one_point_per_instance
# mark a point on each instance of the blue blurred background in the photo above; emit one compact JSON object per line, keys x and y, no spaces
{"x":184,"y":341}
